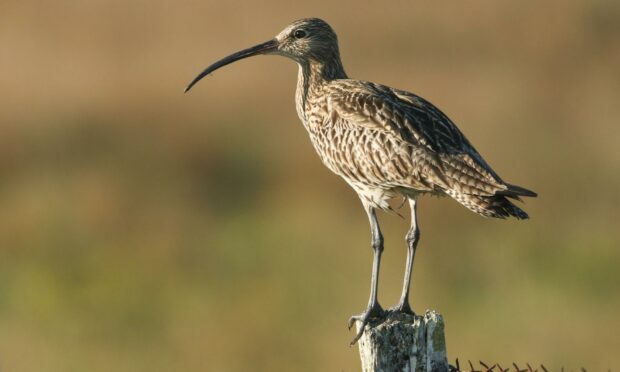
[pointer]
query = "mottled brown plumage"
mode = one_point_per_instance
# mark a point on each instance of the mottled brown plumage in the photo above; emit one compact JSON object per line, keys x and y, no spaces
{"x":382,"y":141}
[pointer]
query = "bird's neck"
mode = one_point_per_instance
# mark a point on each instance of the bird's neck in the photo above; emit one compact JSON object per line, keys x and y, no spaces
{"x":313,"y":76}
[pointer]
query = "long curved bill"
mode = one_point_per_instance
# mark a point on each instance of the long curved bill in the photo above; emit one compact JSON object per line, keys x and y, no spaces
{"x":263,"y":48}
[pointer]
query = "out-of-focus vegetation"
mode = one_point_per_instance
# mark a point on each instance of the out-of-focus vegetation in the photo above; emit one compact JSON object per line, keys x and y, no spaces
{"x":146,"y":230}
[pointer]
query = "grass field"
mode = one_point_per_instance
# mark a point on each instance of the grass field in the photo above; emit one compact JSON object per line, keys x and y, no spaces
{"x":146,"y":230}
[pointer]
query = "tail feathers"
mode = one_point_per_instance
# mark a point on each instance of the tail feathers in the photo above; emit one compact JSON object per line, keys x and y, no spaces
{"x":497,"y":206}
{"x":500,"y":207}
{"x":515,"y":191}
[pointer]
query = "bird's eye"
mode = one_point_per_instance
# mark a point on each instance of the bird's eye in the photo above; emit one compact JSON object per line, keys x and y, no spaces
{"x":300,"y":34}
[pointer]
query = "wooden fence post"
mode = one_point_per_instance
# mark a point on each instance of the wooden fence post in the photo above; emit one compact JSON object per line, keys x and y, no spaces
{"x":404,"y":343}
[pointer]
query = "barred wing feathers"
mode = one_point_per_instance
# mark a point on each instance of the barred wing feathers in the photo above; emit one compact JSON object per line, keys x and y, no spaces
{"x":445,"y":159}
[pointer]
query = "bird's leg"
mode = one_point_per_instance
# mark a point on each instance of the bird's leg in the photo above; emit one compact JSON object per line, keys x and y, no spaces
{"x":374,"y":310}
{"x":412,"y":237}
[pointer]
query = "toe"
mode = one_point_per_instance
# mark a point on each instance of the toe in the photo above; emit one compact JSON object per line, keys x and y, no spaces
{"x":402,"y":308}
{"x":375,"y":311}
{"x":358,"y":335}
{"x":352,"y":321}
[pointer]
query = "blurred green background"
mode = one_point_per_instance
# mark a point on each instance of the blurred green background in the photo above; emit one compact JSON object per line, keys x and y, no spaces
{"x":146,"y":230}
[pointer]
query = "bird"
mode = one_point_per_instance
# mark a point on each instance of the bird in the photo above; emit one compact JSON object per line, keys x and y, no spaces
{"x":384,"y":142}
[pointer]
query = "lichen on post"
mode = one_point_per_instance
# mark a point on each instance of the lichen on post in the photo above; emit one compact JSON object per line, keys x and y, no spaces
{"x":404,"y":343}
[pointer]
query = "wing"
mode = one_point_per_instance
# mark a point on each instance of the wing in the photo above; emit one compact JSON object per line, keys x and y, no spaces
{"x":421,"y":125}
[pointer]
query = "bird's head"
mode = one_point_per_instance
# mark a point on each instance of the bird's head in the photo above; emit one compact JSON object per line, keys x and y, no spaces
{"x":306,"y":39}
{"x":303,"y":40}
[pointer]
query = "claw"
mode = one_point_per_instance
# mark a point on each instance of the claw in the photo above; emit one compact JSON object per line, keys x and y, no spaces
{"x":375,"y":311}
{"x":352,"y":321}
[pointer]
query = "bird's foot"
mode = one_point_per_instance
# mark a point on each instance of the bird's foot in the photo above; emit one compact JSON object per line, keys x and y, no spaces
{"x":402,"y":308}
{"x":374,"y":311}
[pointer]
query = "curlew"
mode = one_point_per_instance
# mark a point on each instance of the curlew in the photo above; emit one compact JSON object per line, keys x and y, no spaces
{"x":383,"y":142}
